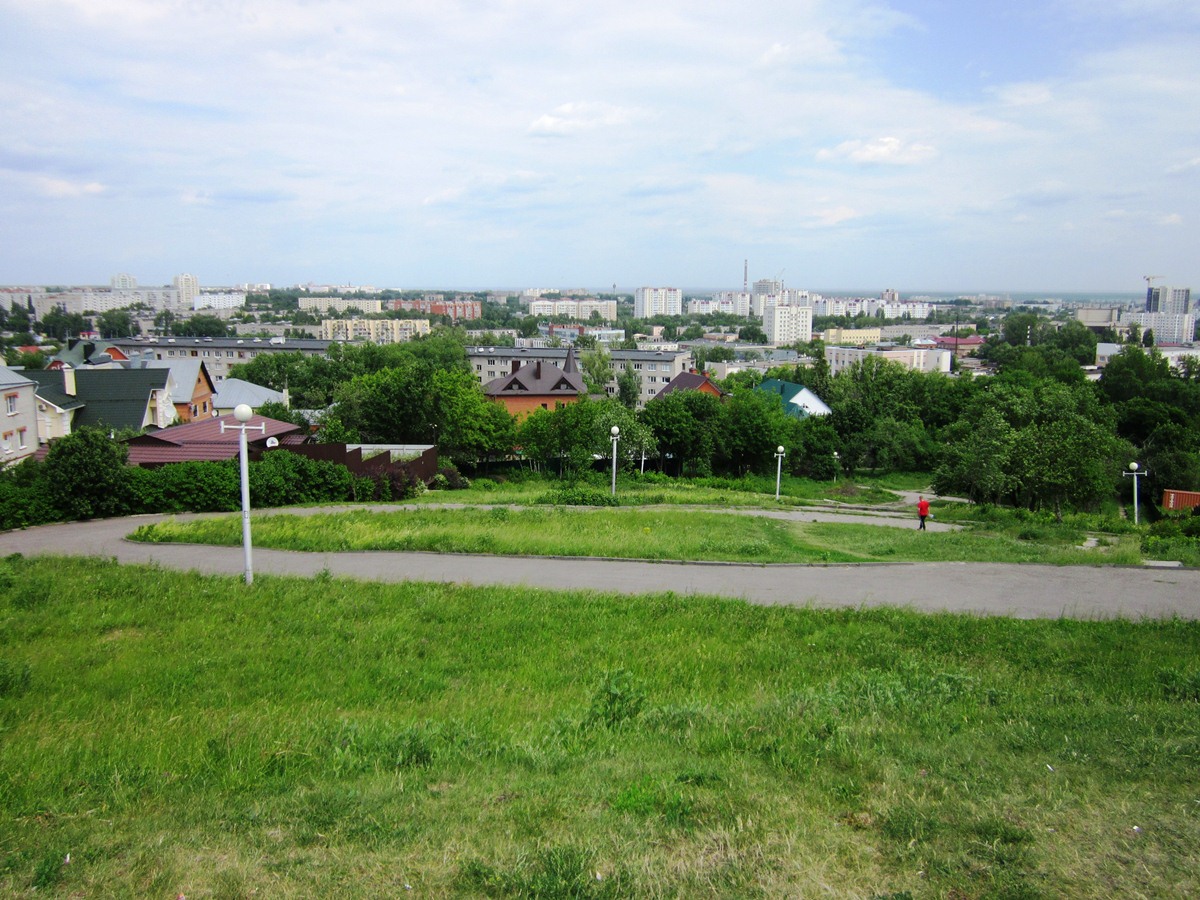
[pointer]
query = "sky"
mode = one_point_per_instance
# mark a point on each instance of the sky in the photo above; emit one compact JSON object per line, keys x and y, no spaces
{"x":921,"y":145}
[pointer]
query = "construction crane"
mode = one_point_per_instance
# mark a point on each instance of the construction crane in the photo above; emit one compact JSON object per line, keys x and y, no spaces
{"x":1149,"y":279}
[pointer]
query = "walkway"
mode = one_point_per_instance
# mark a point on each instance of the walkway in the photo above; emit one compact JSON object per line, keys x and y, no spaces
{"x":1027,"y":591}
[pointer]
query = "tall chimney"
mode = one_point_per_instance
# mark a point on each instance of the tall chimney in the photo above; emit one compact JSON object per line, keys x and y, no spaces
{"x":68,"y":381}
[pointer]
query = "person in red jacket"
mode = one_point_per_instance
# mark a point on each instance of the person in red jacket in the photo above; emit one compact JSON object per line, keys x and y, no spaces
{"x":922,"y":512}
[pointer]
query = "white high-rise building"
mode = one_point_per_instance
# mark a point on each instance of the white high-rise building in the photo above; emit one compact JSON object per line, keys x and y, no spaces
{"x":767,"y":286}
{"x":1168,"y":328}
{"x":188,"y":287}
{"x":123,"y":282}
{"x":787,"y":324}
{"x":1176,"y":301}
{"x":651,"y":301}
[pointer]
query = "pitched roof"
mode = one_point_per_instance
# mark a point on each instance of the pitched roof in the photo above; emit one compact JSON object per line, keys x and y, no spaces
{"x":540,"y":379}
{"x":233,"y":391}
{"x":798,"y":401}
{"x":117,"y":398}
{"x":690,"y":381}
{"x":187,"y":372}
{"x":203,"y":439}
{"x":79,"y":352}
{"x":13,"y":378}
{"x":50,"y":389}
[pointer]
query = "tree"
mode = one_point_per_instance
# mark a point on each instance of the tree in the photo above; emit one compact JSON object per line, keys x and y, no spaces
{"x":629,"y":387}
{"x":1148,"y":338}
{"x":202,"y":325}
{"x":87,"y":475}
{"x":596,"y":368}
{"x":684,"y":424}
{"x":60,"y":325}
{"x":752,"y":334}
{"x":752,"y":425}
{"x":117,"y":323}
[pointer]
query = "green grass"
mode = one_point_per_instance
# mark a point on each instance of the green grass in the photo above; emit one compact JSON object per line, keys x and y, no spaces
{"x":646,"y":534}
{"x":180,"y":734}
{"x":655,"y":489}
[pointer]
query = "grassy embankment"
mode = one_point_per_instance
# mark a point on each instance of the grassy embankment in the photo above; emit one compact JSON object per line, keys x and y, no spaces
{"x":178,"y":734}
{"x":625,"y":533}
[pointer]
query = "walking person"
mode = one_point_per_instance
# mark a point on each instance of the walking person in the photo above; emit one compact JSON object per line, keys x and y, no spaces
{"x":922,"y":512}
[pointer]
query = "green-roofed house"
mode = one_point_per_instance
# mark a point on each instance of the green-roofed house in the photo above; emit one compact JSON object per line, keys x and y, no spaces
{"x":798,"y":401}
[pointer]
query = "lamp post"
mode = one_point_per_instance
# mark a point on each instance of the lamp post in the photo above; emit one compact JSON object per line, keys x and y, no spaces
{"x":242,"y":412}
{"x":836,"y":457}
{"x":1135,"y":475}
{"x":779,"y":455}
{"x":616,"y":436}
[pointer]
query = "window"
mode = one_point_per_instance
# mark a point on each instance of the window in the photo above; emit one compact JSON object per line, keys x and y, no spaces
{"x":10,"y":404}
{"x":21,"y":438}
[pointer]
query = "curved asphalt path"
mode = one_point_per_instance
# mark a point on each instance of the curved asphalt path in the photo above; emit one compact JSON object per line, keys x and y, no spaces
{"x":1022,"y":591}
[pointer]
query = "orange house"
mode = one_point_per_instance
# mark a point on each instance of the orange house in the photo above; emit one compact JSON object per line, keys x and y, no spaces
{"x":538,"y":385}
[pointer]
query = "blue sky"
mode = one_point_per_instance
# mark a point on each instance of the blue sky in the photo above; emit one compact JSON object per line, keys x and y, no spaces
{"x":926,"y":145}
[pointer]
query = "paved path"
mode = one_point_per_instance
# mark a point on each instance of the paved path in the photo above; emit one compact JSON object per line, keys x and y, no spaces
{"x":1026,"y":591}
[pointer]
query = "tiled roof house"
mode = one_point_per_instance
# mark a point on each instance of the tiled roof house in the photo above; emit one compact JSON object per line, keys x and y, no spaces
{"x":539,"y":385}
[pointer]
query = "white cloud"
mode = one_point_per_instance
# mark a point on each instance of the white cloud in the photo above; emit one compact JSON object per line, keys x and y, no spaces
{"x":885,"y":150}
{"x":572,"y":118}
{"x":61,"y":188}
{"x":1172,"y":219}
{"x":1024,"y":94}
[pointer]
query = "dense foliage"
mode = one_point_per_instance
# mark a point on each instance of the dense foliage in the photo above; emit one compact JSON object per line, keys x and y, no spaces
{"x":84,"y":476}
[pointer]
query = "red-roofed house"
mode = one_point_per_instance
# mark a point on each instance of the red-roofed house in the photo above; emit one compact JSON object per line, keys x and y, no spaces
{"x":960,"y":346}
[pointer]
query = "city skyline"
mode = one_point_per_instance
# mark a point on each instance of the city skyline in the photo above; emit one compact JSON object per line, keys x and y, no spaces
{"x":953,"y":147}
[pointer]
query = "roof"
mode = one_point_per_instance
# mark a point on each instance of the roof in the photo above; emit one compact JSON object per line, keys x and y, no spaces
{"x":690,"y":381}
{"x":117,"y":398}
{"x":203,"y":439}
{"x":14,"y":378}
{"x":79,"y":353}
{"x":50,"y":389}
{"x":186,"y":370}
{"x":540,"y":379}
{"x":233,"y":391}
{"x":798,"y":400}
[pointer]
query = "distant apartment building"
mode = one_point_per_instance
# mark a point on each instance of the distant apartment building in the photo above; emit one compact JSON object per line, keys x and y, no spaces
{"x":766,"y":286}
{"x":460,"y":308}
{"x":896,"y":309}
{"x":889,"y":295}
{"x":188,"y":287}
{"x":657,"y":301}
{"x":1168,"y":328}
{"x":98,"y":300}
{"x":575,"y":309}
{"x":377,"y":331}
{"x":123,"y":282}
{"x":219,"y":355}
{"x":730,"y":303}
{"x":341,"y":304}
{"x":219,"y":300}
{"x":854,"y":337}
{"x":786,"y":324}
{"x":1175,"y":301}
{"x":924,"y":360}
{"x":656,"y":368}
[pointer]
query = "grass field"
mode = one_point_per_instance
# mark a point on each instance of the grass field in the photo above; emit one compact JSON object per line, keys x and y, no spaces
{"x":175,"y":734}
{"x":632,"y":533}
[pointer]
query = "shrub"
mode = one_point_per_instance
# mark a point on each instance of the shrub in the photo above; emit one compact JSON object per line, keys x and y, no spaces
{"x":618,"y":698}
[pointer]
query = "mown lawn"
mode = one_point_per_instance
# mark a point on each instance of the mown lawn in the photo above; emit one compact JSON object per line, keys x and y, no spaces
{"x":178,"y":734}
{"x":633,"y":533}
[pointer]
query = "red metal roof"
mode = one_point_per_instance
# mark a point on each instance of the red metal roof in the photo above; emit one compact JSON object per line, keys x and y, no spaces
{"x":208,"y":431}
